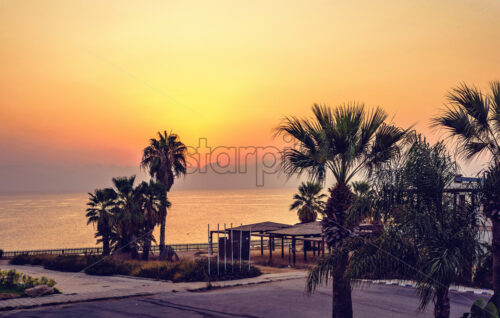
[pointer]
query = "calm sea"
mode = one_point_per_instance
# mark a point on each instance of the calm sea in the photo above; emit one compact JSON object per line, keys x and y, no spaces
{"x":58,"y":221}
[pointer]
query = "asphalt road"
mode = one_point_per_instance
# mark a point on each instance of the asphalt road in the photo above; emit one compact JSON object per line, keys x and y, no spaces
{"x":278,"y":299}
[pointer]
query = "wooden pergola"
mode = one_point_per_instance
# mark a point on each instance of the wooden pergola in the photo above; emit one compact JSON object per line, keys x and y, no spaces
{"x":260,"y":229}
{"x":307,"y":232}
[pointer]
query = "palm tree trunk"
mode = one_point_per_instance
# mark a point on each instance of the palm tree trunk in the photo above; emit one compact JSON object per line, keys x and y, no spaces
{"x":442,"y":303}
{"x":147,"y":248}
{"x":162,"y":228}
{"x":341,"y":299}
{"x":133,"y":246}
{"x":495,"y":250}
{"x":339,"y":202}
{"x":105,"y":244}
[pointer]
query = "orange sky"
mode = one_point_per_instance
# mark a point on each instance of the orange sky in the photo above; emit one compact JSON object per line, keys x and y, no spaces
{"x":88,"y":82}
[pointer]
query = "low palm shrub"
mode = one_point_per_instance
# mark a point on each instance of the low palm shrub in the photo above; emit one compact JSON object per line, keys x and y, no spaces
{"x":14,"y":280}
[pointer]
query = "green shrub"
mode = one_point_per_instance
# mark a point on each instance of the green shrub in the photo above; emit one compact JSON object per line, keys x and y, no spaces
{"x":14,"y":280}
{"x":483,"y":273}
{"x":481,"y":309}
{"x":184,"y":271}
{"x":20,"y":260}
{"x":109,"y":266}
{"x":66,"y":263}
{"x":164,"y":272}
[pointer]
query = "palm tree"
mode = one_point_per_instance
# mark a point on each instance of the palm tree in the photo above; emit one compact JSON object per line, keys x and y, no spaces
{"x":165,"y":158}
{"x":364,"y":201}
{"x":153,"y":200}
{"x":308,"y":202}
{"x":128,"y":216}
{"x":472,"y":119}
{"x":99,"y":212}
{"x":434,"y":242}
{"x":345,"y":141}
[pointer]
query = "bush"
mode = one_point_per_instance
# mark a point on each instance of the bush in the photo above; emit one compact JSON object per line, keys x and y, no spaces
{"x":14,"y":280}
{"x":483,"y":274}
{"x":184,"y":271}
{"x":1,"y":254}
{"x":109,"y":266}
{"x":66,"y":263}
{"x":20,"y":260}
{"x":163,"y":271}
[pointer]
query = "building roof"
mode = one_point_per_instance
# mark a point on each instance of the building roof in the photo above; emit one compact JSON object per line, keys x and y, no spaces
{"x":262,"y":227}
{"x":300,"y":229}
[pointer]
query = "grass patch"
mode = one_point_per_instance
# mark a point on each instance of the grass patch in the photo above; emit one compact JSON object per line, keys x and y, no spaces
{"x":16,"y":290}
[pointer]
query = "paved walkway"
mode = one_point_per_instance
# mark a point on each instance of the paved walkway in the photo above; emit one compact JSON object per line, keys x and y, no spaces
{"x":78,"y":287}
{"x":276,"y":299}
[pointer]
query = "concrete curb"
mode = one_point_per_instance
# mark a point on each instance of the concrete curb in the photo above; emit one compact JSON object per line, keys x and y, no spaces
{"x":412,"y":284}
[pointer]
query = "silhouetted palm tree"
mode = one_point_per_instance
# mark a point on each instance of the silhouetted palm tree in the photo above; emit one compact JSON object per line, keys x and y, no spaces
{"x":434,"y":241}
{"x":345,"y":141}
{"x":99,"y":212}
{"x":472,"y":119}
{"x":165,"y":159}
{"x":153,"y":201}
{"x":128,"y":215}
{"x":364,"y":201}
{"x":308,"y":202}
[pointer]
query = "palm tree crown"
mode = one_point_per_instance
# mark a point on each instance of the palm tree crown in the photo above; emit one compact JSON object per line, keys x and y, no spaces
{"x":165,"y":158}
{"x":344,"y":140}
{"x":473,"y":120}
{"x":308,"y":202}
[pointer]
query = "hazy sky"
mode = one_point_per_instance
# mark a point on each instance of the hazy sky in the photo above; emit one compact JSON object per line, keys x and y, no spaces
{"x":85,"y":83}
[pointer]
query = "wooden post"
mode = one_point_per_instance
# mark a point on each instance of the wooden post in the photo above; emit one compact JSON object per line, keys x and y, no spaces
{"x":218,"y":250}
{"x":323,"y":247}
{"x":314,"y":248}
{"x":261,"y":245}
{"x":293,"y":249}
{"x":282,"y":247}
{"x":209,"y":250}
{"x":232,"y":249}
{"x":305,"y":252}
{"x":270,"y":248}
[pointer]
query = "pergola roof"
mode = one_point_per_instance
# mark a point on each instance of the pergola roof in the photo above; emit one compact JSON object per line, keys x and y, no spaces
{"x":262,"y":227}
{"x":300,"y":229}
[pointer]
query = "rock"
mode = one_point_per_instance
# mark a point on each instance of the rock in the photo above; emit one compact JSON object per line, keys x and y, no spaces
{"x":4,"y":296}
{"x":40,"y":290}
{"x":168,"y":254}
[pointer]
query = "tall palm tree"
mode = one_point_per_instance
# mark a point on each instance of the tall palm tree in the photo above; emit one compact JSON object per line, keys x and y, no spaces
{"x":153,"y":200}
{"x":165,"y":159}
{"x":128,"y":216}
{"x":472,"y":119}
{"x":99,"y":212}
{"x":345,"y":141}
{"x":434,"y":241}
{"x":308,"y":202}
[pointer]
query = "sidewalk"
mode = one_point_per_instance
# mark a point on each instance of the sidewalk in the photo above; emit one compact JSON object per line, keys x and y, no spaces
{"x":79,"y":287}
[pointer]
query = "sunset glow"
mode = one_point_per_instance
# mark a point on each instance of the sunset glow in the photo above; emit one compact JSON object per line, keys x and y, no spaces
{"x":86,"y":82}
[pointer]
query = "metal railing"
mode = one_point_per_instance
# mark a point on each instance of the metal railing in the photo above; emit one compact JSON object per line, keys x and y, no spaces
{"x":98,"y":250}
